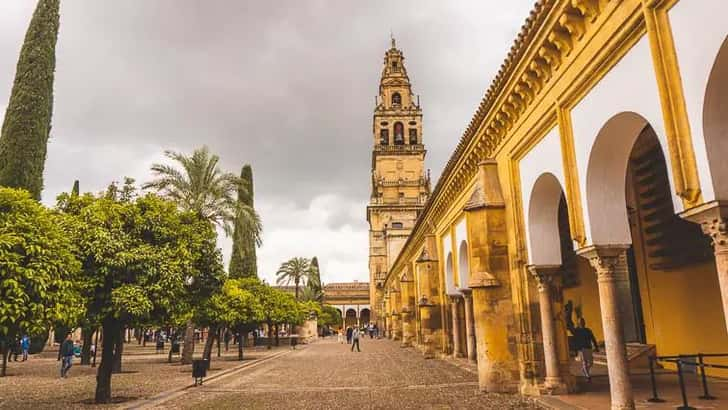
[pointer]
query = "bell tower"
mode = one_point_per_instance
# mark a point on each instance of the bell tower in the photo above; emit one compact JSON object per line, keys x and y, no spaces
{"x":400,"y":184}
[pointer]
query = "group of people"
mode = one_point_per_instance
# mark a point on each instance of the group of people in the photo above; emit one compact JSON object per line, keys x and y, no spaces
{"x":353,"y":334}
{"x":21,"y":347}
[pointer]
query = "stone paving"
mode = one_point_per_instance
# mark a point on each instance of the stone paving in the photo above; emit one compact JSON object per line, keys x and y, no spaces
{"x":327,"y":375}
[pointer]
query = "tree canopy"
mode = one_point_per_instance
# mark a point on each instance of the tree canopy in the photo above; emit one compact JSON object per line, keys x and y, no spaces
{"x":38,"y":268}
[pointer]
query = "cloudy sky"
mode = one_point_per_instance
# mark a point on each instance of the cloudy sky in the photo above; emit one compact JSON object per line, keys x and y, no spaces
{"x":287,"y":86}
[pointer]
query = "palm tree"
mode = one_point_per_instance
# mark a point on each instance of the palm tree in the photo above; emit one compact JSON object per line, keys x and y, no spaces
{"x":201,"y":187}
{"x":296,"y":270}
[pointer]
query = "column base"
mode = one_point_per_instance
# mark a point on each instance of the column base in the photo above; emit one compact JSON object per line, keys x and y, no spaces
{"x":554,"y":386}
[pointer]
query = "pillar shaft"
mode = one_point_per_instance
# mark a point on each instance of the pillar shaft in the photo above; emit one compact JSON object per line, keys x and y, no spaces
{"x":544,"y":277}
{"x":604,"y":260}
{"x":408,"y":313}
{"x":456,"y":348}
{"x":469,"y":327}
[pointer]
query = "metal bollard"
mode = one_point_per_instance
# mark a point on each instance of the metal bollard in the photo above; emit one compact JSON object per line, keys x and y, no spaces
{"x":706,"y":395}
{"x":654,"y":398}
{"x":685,"y":405}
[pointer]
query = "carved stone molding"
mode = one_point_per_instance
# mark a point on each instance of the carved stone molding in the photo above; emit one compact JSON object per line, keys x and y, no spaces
{"x":544,"y":275}
{"x":604,"y":259}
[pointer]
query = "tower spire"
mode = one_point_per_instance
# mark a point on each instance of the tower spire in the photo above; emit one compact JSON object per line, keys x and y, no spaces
{"x":391,"y":36}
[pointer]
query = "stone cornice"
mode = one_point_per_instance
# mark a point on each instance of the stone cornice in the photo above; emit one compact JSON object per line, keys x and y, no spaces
{"x":550,"y":34}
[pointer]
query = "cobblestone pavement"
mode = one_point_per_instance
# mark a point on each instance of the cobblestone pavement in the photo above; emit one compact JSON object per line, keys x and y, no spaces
{"x":327,"y":375}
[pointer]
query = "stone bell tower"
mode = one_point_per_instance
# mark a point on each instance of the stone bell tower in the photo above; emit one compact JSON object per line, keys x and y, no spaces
{"x":400,"y":183}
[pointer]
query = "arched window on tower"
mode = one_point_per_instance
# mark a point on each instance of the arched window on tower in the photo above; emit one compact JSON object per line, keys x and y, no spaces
{"x":396,"y":99}
{"x":384,"y":136}
{"x":413,"y":136}
{"x":398,"y":133}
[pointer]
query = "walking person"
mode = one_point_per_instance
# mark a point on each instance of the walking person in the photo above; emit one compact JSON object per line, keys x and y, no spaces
{"x":349,"y":332}
{"x":584,"y":340}
{"x":340,"y":336}
{"x":66,"y":351}
{"x":355,"y":340}
{"x":25,"y":346}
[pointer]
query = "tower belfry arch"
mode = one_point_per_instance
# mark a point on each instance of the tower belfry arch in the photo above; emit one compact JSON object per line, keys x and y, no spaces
{"x":399,"y":183}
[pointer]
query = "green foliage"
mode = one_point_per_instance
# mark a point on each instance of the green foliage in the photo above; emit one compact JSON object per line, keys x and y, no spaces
{"x":296,"y":270}
{"x":243,"y":261}
{"x":329,"y":316}
{"x":236,"y":305}
{"x":314,"y":288}
{"x":27,"y":124}
{"x":38,"y":269}
{"x":201,"y":187}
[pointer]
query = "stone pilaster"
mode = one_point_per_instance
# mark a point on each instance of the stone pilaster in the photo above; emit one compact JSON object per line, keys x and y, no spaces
{"x":470,"y":344}
{"x":605,"y":260}
{"x":396,"y":318}
{"x":427,"y":269}
{"x":545,"y":275}
{"x":712,"y":218}
{"x":454,"y":312}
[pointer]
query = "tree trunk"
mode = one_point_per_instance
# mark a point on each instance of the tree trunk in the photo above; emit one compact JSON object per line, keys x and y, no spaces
{"x":118,"y":350}
{"x":219,"y":336}
{"x":207,"y":352}
{"x":241,"y":342}
{"x":4,"y":350}
{"x":188,"y":349}
{"x":87,"y":334}
{"x":270,"y":335}
{"x":112,"y":332}
{"x":96,"y":347}
{"x":277,"y":341}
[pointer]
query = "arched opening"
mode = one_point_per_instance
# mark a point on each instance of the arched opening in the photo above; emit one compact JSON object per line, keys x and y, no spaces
{"x":396,"y":98}
{"x":463,"y":265}
{"x":574,"y":292}
{"x":384,"y":136}
{"x":667,"y":286}
{"x":715,"y":122}
{"x":398,"y":133}
{"x":413,"y":136}
{"x":449,"y":276}
{"x":350,"y":319}
{"x":341,"y":318}
{"x":543,"y":229}
{"x":364,"y":317}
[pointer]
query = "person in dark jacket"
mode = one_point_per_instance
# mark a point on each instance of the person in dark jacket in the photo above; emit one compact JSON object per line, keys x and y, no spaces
{"x":66,"y":351}
{"x":349,"y":331}
{"x":583,"y":341}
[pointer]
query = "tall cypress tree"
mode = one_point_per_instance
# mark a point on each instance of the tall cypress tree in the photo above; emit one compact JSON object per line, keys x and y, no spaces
{"x":243,"y":261}
{"x":314,"y":281}
{"x":75,"y":189}
{"x":27,"y":124}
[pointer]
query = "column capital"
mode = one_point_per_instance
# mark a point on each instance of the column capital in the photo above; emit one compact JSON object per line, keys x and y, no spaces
{"x":544,"y":275}
{"x":712,"y":218}
{"x":603,"y":258}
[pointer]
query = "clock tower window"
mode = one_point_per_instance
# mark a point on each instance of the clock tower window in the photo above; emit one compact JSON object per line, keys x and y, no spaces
{"x":384,"y":136}
{"x":398,"y":133}
{"x":396,"y":99}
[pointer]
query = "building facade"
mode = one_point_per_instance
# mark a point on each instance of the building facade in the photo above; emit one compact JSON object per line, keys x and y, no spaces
{"x":399,"y":183}
{"x":351,"y":299}
{"x":591,"y":183}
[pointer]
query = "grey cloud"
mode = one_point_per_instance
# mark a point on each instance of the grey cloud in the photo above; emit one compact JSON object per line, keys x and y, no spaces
{"x":287,"y":86}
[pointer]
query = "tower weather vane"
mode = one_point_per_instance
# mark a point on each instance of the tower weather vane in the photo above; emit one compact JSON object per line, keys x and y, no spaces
{"x":391,"y":36}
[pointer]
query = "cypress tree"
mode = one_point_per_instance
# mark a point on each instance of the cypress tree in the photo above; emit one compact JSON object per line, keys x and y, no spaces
{"x":75,"y":189}
{"x":27,"y":124}
{"x":243,"y":261}
{"x":314,"y":282}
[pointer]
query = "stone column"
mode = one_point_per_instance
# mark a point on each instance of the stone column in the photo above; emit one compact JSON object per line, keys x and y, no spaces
{"x":712,"y":218}
{"x":408,"y":311}
{"x":604,"y":259}
{"x":429,"y":302}
{"x":470,"y":343}
{"x":456,"y":348}
{"x":544,"y":274}
{"x":428,"y":336}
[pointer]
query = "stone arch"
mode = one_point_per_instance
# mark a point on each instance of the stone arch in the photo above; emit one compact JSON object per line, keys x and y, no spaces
{"x":606,"y":178}
{"x":365,"y":316}
{"x":715,"y":122}
{"x":543,"y":215}
{"x":450,"y":275}
{"x":463,"y":264}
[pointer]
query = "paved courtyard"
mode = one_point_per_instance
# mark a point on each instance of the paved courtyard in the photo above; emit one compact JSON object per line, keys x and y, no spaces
{"x":327,"y":375}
